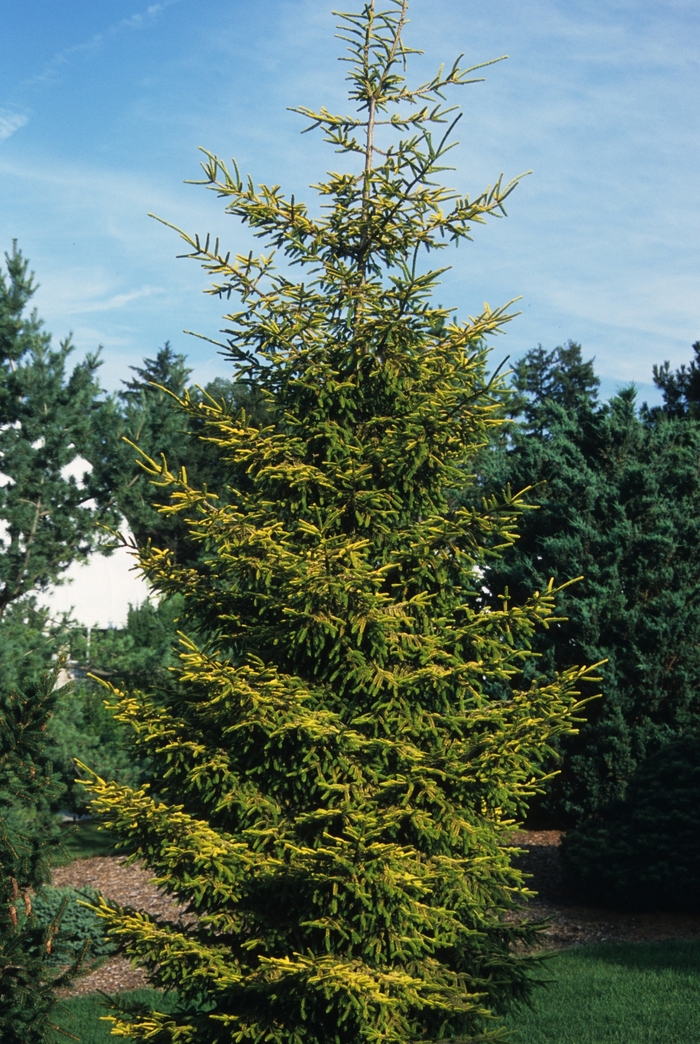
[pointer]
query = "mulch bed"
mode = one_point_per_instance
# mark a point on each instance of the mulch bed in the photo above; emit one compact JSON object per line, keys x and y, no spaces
{"x":570,"y":924}
{"x":128,"y":886}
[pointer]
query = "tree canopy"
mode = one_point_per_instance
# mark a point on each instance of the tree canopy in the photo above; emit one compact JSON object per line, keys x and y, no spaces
{"x":146,"y":413}
{"x":681,"y":388}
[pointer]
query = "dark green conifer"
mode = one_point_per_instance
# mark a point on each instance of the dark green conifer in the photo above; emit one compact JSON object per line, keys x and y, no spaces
{"x":617,"y":491}
{"x":341,"y":760}
{"x":643,"y":852}
{"x":145,"y":413}
{"x":681,"y":387}
{"x":28,"y":979}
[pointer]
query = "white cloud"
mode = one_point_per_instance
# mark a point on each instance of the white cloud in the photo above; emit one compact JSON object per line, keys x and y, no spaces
{"x":62,"y":58}
{"x":117,"y":301}
{"x":10,"y":122}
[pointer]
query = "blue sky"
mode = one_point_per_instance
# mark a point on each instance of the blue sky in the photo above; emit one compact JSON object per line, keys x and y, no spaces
{"x":103,"y":106}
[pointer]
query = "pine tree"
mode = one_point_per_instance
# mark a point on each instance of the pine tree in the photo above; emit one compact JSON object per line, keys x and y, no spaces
{"x":47,"y":516}
{"x":559,"y":380}
{"x":30,"y":638}
{"x":340,"y":763}
{"x":681,"y":388}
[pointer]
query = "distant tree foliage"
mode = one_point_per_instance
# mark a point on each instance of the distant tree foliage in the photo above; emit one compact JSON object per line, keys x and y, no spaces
{"x":617,"y":496}
{"x":146,"y":413}
{"x":644,"y":852}
{"x":681,"y":389}
{"x":334,"y":783}
{"x":137,"y":655}
{"x":30,"y":640}
{"x":81,"y":726}
{"x":542,"y":379}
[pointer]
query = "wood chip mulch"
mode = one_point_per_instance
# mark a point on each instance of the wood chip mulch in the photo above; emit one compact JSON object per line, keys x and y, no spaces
{"x":128,"y":886}
{"x":570,"y":923}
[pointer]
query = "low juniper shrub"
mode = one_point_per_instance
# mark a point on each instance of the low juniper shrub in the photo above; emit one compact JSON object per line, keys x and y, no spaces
{"x":78,"y":923}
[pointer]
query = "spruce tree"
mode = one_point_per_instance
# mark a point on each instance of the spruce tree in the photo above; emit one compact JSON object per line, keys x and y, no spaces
{"x":341,"y":760}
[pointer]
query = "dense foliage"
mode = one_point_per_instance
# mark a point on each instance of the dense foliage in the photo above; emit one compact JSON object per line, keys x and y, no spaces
{"x":51,"y":427}
{"x":617,"y":491}
{"x":27,"y":839}
{"x":643,"y":853}
{"x":81,"y":727}
{"x":681,"y":388}
{"x":339,"y":764}
{"x":30,"y":639}
{"x":137,"y":654}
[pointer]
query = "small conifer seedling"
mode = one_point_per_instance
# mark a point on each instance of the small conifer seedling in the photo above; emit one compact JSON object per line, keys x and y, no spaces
{"x":347,"y":745}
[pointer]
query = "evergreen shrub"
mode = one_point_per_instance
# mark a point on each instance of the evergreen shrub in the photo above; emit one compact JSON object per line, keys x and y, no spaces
{"x":28,"y":840}
{"x":643,"y":852}
{"x":617,"y":496}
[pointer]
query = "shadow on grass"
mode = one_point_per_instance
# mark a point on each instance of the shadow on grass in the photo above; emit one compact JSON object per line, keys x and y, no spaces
{"x":84,"y":841}
{"x":681,"y":955}
{"x":85,"y":1017}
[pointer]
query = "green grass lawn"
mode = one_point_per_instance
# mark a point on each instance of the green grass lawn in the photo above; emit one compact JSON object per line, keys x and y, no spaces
{"x":83,"y":841}
{"x":636,"y":993}
{"x":632,"y":993}
{"x":81,"y":1016}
